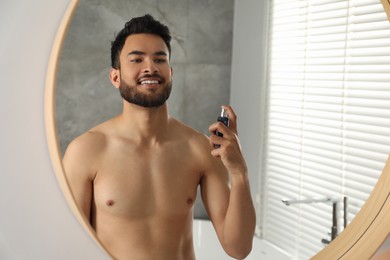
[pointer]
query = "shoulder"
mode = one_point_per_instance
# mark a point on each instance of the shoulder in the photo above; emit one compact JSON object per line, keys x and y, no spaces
{"x":84,"y":152}
{"x":199,"y":145}
{"x":190,"y":135}
{"x":90,"y":142}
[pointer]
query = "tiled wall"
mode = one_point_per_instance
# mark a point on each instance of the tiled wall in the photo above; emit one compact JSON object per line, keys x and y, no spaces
{"x":201,"y":61}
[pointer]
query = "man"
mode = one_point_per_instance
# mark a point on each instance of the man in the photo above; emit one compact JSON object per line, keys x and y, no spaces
{"x":135,"y":176}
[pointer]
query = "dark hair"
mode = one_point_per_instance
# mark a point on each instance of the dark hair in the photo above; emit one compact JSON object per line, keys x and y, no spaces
{"x":143,"y":24}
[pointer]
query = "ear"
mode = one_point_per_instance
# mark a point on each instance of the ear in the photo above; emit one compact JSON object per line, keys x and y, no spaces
{"x":115,"y":77}
{"x":171,"y":72}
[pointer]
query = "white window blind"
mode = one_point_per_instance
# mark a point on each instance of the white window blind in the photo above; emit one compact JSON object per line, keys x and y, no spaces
{"x":328,"y":118}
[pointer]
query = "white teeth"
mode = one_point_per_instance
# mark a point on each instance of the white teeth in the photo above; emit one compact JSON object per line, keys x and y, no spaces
{"x":149,"y":82}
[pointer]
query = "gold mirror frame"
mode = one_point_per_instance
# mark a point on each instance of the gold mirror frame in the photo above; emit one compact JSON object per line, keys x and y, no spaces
{"x":360,"y":240}
{"x":368,"y":230}
{"x":386,"y":5}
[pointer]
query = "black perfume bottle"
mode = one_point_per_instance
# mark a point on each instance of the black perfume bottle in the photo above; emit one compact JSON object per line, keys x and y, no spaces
{"x":225,"y":120}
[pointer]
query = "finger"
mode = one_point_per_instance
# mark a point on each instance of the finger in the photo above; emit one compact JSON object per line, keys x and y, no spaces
{"x":216,"y":140}
{"x":220,"y":127}
{"x":215,"y":153}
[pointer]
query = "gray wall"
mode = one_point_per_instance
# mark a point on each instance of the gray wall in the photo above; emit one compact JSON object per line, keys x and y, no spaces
{"x":201,"y":61}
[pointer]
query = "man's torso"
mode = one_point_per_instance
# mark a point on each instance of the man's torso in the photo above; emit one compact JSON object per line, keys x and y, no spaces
{"x":143,"y":196}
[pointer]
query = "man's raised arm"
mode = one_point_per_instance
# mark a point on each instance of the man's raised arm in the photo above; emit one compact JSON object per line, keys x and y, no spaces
{"x":231,"y":210}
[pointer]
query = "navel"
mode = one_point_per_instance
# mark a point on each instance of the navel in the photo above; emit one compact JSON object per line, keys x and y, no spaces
{"x":110,"y":203}
{"x":190,"y":201}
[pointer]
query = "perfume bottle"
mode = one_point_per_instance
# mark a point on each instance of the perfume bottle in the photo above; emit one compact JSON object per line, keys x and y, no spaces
{"x":225,"y":120}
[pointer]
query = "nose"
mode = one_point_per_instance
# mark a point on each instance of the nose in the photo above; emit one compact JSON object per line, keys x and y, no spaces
{"x":150,"y":67}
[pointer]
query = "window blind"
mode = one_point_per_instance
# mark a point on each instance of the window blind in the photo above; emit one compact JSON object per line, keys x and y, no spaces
{"x":328,"y":117}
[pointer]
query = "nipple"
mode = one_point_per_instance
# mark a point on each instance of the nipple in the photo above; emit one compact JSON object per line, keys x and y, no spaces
{"x":190,"y":201}
{"x":110,"y":203}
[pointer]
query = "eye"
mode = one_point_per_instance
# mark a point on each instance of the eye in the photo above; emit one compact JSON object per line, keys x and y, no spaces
{"x":136,"y":60}
{"x":160,"y":60}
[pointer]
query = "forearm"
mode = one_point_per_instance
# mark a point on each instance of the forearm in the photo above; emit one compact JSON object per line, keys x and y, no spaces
{"x":240,"y":220}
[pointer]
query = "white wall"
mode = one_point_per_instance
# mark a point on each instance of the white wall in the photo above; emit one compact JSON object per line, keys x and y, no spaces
{"x":35,"y":220}
{"x":247,"y":80}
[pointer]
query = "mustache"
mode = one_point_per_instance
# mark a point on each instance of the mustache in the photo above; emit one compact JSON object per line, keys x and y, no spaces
{"x":155,"y":76}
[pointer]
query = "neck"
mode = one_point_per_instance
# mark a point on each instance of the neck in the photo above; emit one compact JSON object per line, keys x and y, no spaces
{"x":143,"y":124}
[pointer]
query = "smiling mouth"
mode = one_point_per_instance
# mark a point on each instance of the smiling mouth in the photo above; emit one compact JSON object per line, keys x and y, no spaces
{"x":149,"y":82}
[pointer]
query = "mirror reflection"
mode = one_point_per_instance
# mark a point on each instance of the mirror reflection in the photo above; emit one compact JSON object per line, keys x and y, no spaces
{"x":201,"y":62}
{"x":340,"y":151}
{"x":201,"y":59}
{"x":135,"y":176}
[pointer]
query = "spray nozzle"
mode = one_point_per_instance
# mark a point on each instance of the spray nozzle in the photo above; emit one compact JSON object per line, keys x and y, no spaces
{"x":224,"y":112}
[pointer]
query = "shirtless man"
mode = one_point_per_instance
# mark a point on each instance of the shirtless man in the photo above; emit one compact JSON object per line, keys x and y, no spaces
{"x":135,"y":176}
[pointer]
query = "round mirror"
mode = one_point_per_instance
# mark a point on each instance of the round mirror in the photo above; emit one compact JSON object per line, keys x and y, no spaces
{"x":201,"y":60}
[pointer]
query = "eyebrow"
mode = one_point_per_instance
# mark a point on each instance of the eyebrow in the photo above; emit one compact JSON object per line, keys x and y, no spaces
{"x":159,"y":53}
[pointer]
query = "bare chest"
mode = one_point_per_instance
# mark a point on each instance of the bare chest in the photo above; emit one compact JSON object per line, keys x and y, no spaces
{"x":142,"y":183}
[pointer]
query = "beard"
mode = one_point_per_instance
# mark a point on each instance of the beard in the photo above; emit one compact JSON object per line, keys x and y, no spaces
{"x":154,"y":97}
